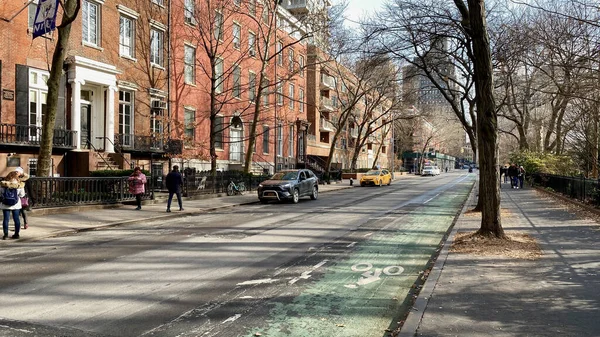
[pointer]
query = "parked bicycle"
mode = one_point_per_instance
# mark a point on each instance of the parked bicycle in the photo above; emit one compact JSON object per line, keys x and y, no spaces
{"x":234,"y":188}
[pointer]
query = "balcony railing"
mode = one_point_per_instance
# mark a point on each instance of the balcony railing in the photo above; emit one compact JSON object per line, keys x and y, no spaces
{"x":354,"y":132}
{"x":137,"y":143}
{"x":326,"y":125}
{"x":298,"y":6}
{"x":31,"y":135}
{"x":327,"y":82}
{"x":326,"y":104}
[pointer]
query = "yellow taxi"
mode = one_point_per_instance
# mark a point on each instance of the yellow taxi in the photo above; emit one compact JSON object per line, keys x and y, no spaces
{"x":376,"y":178}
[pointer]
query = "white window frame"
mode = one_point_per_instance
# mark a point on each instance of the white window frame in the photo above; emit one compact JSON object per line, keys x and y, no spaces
{"x":291,"y":89}
{"x":189,"y":60}
{"x":127,"y":136}
{"x":31,"y":10}
{"x":190,"y":136}
{"x":280,"y":140}
{"x":236,"y":86}
{"x":157,"y":47}
{"x":291,"y":141}
{"x":291,"y":60}
{"x":252,"y":87}
{"x":301,"y":99}
{"x":123,"y":44}
{"x":252,"y":43}
{"x":219,"y":134}
{"x":159,"y":2}
{"x":279,"y":91}
{"x":236,"y":33}
{"x":37,"y":91}
{"x":86,"y":36}
{"x":301,"y":65}
{"x":218,"y":74}
{"x":279,"y":51}
{"x":218,"y":27}
{"x":188,"y":12}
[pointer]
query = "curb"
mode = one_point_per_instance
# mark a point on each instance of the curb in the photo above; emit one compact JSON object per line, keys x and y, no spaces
{"x":413,"y":320}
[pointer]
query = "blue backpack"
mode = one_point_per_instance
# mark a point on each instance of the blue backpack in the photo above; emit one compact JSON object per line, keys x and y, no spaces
{"x":10,"y":197}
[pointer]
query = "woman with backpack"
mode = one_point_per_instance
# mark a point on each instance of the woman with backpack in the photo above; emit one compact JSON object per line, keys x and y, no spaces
{"x":11,"y":192}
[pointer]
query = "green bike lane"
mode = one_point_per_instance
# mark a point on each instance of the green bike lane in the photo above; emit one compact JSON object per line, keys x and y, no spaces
{"x":368,"y":291}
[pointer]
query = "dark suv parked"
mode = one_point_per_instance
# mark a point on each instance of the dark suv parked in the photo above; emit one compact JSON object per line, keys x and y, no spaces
{"x":289,"y":185}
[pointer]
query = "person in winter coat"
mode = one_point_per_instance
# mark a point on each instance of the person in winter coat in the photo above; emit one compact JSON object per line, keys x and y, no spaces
{"x":174,"y":181}
{"x":11,"y":191}
{"x":28,"y":200}
{"x":521,"y":176}
{"x":513,"y":173}
{"x":137,"y":181}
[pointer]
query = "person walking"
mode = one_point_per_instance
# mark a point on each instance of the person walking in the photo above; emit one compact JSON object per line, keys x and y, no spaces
{"x":137,"y":182}
{"x":521,"y":176}
{"x":28,"y":200}
{"x":513,"y":173}
{"x":11,"y":192}
{"x":174,"y":181}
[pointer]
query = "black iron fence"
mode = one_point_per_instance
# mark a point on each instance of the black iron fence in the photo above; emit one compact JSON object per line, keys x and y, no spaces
{"x":579,"y":188}
{"x":70,"y":191}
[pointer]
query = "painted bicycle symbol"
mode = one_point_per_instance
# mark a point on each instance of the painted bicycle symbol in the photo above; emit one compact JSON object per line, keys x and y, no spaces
{"x":370,"y":275}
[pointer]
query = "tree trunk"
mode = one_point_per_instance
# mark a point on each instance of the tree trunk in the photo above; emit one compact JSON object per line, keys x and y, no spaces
{"x":487,"y":122}
{"x":71,"y":8}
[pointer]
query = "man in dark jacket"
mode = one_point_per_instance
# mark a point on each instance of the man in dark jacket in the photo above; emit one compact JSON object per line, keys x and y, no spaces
{"x":513,"y":173}
{"x":174,"y":181}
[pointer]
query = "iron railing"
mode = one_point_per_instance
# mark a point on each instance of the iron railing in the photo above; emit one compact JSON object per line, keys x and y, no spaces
{"x":131,"y":142}
{"x":579,"y":188}
{"x":202,"y":182}
{"x":31,"y":135}
{"x":70,"y":191}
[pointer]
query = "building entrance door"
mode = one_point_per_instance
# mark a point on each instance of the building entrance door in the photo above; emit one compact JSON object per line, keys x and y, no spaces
{"x":86,"y":125}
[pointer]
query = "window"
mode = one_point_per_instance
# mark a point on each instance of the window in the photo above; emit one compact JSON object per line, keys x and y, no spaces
{"x":265,"y":92}
{"x":126,"y":117}
{"x":32,"y":9}
{"x":301,"y":65}
{"x":252,"y":7}
{"x":291,"y":95}
{"x":159,"y":2}
{"x":218,"y":73}
{"x":32,"y":164}
{"x":38,"y":96}
{"x":189,"y":120}
{"x":301,"y":99}
{"x":252,"y":44}
{"x":265,"y":139}
{"x":218,"y":26}
{"x":265,"y":15}
{"x":252,"y":87}
{"x":237,"y":35}
{"x":237,"y":2}
{"x":188,"y":12}
{"x":237,"y":78}
{"x":280,"y":93}
{"x":157,"y":112}
{"x":279,"y":52}
{"x":280,"y":140}
{"x":218,"y":132}
{"x":291,"y":60}
{"x":126,"y":36}
{"x":90,"y":22}
{"x":291,"y":141}
{"x":189,"y":59}
{"x":156,"y":47}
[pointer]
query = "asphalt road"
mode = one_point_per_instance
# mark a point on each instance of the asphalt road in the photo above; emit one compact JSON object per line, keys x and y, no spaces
{"x":343,"y":265}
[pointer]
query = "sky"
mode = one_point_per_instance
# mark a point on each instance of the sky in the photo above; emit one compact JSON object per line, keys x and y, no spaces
{"x":358,"y":8}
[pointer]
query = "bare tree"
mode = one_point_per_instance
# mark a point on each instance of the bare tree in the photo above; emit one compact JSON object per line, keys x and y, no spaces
{"x":70,"y":12}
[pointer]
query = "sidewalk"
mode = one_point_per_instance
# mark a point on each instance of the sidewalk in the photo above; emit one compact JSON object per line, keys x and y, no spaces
{"x":48,"y":225}
{"x":556,"y":295}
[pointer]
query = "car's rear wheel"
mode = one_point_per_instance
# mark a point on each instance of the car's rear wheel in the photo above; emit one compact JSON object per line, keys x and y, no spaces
{"x":389,"y":182}
{"x":315,"y":193}
{"x":295,"y":196}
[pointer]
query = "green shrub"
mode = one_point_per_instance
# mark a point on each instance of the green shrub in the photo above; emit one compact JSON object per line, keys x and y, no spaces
{"x":536,"y":162}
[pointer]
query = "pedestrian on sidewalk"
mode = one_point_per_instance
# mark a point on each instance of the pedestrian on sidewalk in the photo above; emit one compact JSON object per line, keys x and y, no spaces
{"x":513,"y":173}
{"x":521,"y":176}
{"x":174,"y":181}
{"x":137,"y":182}
{"x":11,"y":192}
{"x":28,"y":200}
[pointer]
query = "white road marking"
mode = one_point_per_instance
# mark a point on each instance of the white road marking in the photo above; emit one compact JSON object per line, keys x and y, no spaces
{"x":261,"y":281}
{"x":232,"y":318}
{"x":351,"y":245}
{"x":368,"y":234}
{"x":306,"y":275}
